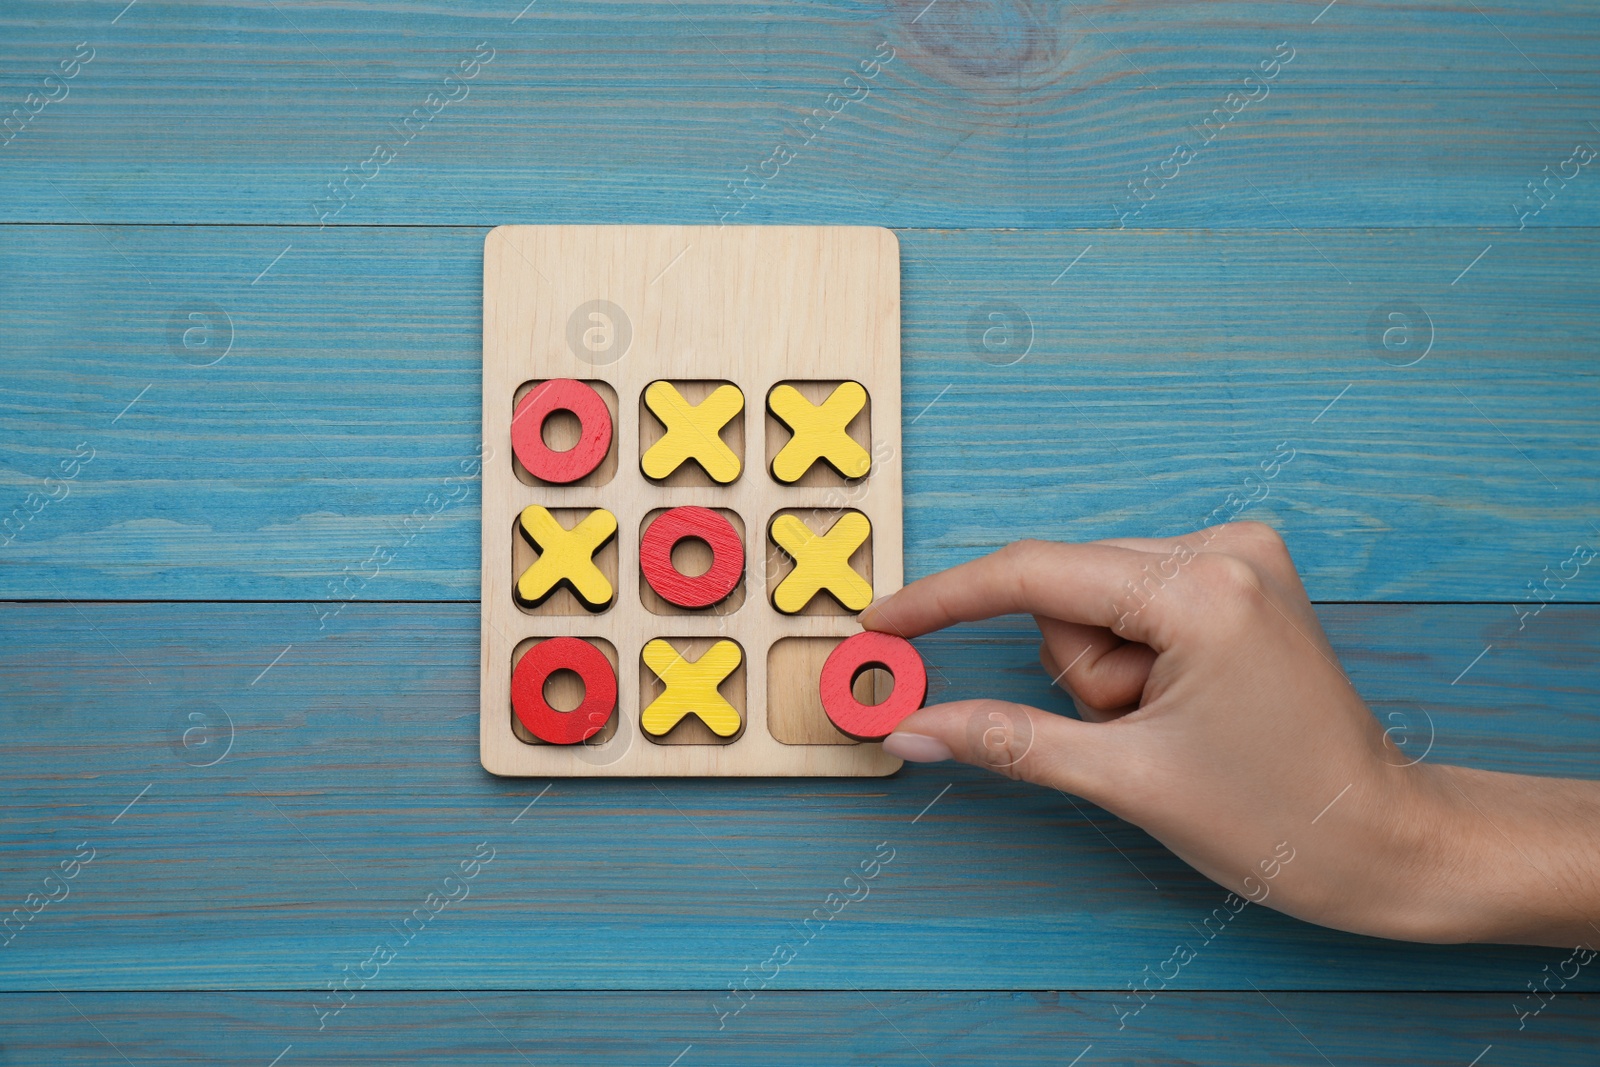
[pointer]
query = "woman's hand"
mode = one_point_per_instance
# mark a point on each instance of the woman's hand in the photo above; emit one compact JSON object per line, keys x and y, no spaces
{"x":1216,"y":717}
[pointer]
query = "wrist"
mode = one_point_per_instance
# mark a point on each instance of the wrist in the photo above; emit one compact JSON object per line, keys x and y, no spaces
{"x":1388,"y":861}
{"x":1406,"y":862}
{"x":1447,"y":893}
{"x":1491,"y":859}
{"x":1398,"y":858}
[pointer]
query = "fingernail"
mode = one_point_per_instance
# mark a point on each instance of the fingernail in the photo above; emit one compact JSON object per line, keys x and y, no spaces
{"x":917,"y":748}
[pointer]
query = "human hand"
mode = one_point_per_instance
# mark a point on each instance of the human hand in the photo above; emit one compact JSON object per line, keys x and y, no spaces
{"x":1216,"y":716}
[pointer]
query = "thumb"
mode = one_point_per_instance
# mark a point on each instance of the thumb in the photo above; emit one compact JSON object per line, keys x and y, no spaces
{"x":1015,"y":740}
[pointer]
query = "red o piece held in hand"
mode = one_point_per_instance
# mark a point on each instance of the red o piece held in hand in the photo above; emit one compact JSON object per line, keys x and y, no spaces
{"x":675,"y":587}
{"x":856,"y":655}
{"x":594,"y":435}
{"x":599,"y":690}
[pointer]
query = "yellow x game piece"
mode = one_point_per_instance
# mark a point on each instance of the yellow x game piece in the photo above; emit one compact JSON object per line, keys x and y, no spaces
{"x":819,"y":432}
{"x":821,"y":561}
{"x":566,"y":556}
{"x":694,"y":431}
{"x":691,"y":688}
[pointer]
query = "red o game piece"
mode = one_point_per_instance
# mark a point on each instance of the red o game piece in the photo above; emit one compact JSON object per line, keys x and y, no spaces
{"x":727,"y":556}
{"x":872,"y":722}
{"x":599,"y":690}
{"x":594,"y":435}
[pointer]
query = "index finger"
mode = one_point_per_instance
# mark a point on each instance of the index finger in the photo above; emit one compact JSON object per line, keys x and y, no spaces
{"x":1095,"y":584}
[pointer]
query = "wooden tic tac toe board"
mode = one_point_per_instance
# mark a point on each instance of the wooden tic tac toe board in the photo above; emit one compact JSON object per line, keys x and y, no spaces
{"x":728,"y":361}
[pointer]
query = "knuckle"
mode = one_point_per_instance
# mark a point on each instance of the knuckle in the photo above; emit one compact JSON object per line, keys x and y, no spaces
{"x":1025,"y":551}
{"x":1265,"y":548}
{"x":1227,"y":582}
{"x":1252,"y":529}
{"x":1258,"y":536}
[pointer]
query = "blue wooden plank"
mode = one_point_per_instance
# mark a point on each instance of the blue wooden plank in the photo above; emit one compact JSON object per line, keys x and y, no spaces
{"x":1243,"y":1029}
{"x":1152,"y":379}
{"x":1460,"y":478}
{"x":351,"y":788}
{"x":1001,"y":114}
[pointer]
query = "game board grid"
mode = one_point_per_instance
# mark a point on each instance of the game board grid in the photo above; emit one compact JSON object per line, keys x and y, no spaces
{"x":835,"y":289}
{"x":621,"y":497}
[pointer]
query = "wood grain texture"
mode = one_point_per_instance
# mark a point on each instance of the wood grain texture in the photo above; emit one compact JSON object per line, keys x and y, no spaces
{"x":561,"y":466}
{"x":874,"y":720}
{"x":565,"y":556}
{"x":597,"y":677}
{"x":1167,"y":366}
{"x":354,"y":756}
{"x":236,"y":403}
{"x":691,"y":432}
{"x":630,"y":305}
{"x":1241,"y":1029}
{"x":661,"y":537}
{"x":690,"y":688}
{"x":821,"y":561}
{"x":1009,"y":113}
{"x":795,"y":715}
{"x":565,"y":690}
{"x":818,"y":433}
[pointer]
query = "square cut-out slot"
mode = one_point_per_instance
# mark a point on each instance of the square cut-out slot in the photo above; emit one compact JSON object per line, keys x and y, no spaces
{"x":794,"y":699}
{"x":564,"y":691}
{"x":696,"y":570}
{"x":816,"y":442}
{"x":696,"y":437}
{"x":822,"y":565}
{"x":691,"y":729}
{"x":561,"y":432}
{"x":562,"y":600}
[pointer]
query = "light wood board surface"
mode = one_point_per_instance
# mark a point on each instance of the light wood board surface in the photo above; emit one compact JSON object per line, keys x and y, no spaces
{"x":755,"y":307}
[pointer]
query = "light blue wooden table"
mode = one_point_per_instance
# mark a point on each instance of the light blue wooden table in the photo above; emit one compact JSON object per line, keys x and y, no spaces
{"x":223,"y":385}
